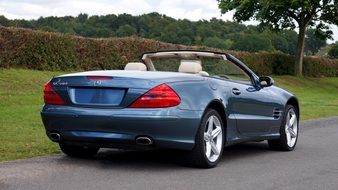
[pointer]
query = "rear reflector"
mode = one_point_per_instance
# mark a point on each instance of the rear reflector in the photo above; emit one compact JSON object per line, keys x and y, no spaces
{"x":161,"y":96}
{"x":50,"y":96}
{"x":99,"y":78}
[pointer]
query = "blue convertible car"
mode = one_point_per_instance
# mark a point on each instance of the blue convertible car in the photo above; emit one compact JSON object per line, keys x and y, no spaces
{"x":195,"y":101}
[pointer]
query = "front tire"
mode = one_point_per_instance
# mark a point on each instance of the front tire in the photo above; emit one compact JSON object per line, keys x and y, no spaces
{"x":78,"y":151}
{"x":288,"y":131}
{"x":209,"y":141}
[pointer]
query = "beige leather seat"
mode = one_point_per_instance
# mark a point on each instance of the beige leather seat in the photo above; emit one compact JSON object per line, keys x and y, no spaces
{"x":135,"y":66}
{"x":192,"y":67}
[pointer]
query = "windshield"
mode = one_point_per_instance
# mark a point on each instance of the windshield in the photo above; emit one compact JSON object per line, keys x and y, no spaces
{"x":214,"y":67}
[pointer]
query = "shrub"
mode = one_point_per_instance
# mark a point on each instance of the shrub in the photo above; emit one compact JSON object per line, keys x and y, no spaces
{"x":333,"y":52}
{"x":30,"y":49}
{"x":44,"y":52}
{"x":320,"y":67}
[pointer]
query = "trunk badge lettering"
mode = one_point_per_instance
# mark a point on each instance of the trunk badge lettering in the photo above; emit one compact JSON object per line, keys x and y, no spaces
{"x":59,"y":83}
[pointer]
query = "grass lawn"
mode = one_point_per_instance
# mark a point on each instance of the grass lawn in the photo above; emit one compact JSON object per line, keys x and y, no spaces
{"x":21,"y":131}
{"x":318,"y":97}
{"x":22,"y":134}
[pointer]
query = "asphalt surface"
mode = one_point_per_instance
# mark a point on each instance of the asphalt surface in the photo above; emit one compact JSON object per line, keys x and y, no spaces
{"x":313,"y":165}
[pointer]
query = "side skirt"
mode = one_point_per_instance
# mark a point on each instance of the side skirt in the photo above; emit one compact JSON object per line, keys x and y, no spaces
{"x":237,"y":140}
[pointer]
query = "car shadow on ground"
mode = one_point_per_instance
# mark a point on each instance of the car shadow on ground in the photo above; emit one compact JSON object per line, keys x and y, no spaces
{"x":160,"y":159}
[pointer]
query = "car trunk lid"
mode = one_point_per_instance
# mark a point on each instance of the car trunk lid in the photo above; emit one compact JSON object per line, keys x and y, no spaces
{"x":112,"y":89}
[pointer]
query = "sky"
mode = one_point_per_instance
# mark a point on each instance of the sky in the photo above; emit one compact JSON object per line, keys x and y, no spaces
{"x":190,"y":9}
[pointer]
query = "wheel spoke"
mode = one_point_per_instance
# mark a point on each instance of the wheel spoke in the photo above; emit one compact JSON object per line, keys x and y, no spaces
{"x":214,"y":148}
{"x":288,"y":137}
{"x":292,"y":120}
{"x":216,"y":132}
{"x":208,"y":149}
{"x":292,"y":132}
{"x":210,"y":124}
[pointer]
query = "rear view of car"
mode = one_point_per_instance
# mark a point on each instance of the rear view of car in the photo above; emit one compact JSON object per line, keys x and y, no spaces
{"x":87,"y":111}
{"x":194,"y":101}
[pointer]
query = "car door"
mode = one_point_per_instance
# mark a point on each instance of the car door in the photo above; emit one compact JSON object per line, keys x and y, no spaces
{"x":257,"y":110}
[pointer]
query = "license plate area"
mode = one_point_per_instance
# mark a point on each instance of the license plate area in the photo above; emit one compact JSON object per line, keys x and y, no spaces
{"x":96,"y":96}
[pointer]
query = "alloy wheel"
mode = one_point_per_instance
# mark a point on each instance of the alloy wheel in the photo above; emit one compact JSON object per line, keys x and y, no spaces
{"x":291,"y":127}
{"x":213,"y":138}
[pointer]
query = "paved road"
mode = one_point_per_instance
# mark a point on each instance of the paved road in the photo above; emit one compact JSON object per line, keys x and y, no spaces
{"x":313,"y":165}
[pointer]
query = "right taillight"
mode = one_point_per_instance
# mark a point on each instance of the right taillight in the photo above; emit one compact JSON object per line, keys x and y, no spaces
{"x":50,"y":96}
{"x":161,"y":96}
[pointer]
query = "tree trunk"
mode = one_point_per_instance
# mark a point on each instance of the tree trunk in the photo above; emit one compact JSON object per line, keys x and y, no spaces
{"x":300,"y":50}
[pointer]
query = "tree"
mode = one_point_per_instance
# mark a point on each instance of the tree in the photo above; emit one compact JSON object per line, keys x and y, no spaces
{"x":287,"y":14}
{"x":333,"y":52}
{"x":312,"y":42}
{"x":218,"y":43}
{"x":125,"y":30}
{"x":4,"y":21}
{"x":252,"y":43}
{"x":214,"y":33}
{"x":83,"y":17}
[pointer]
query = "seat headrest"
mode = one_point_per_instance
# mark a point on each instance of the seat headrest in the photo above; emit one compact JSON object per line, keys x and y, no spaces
{"x":135,"y":66}
{"x":190,"y":66}
{"x":203,"y":73}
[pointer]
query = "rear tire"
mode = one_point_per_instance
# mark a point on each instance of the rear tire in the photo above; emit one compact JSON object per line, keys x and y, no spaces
{"x":288,"y":131}
{"x":78,"y":151}
{"x":209,"y":141}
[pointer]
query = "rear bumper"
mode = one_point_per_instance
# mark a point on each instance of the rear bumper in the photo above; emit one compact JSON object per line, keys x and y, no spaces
{"x":169,"y":128}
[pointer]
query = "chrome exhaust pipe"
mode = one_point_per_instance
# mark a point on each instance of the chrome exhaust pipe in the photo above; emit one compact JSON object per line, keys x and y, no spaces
{"x":144,"y":141}
{"x":55,"y":137}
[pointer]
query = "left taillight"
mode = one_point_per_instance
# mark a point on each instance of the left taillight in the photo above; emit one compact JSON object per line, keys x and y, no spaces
{"x":50,"y":96}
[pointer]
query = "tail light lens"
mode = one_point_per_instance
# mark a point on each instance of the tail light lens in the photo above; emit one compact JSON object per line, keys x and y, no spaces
{"x":161,"y":96}
{"x":50,"y":96}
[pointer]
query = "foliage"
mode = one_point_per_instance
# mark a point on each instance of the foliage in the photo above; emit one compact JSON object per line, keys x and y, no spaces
{"x":218,"y":43}
{"x":320,"y":67}
{"x":313,"y":43}
{"x":213,"y":33}
{"x":252,"y":43}
{"x":288,"y":14}
{"x":22,"y":48}
{"x":265,"y":63}
{"x":333,"y":52}
{"x":47,"y":52}
{"x":125,"y":30}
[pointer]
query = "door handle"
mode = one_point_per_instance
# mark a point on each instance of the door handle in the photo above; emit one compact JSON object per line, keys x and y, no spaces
{"x":236,"y":91}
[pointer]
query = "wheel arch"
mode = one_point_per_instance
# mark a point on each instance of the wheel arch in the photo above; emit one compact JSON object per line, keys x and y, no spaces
{"x":219,"y":107}
{"x":294,"y":102}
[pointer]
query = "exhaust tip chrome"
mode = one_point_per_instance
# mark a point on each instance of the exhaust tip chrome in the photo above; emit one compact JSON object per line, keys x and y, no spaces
{"x":55,"y":137}
{"x":144,"y":141}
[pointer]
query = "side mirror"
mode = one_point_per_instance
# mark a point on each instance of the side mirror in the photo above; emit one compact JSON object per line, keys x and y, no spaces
{"x":266,"y":81}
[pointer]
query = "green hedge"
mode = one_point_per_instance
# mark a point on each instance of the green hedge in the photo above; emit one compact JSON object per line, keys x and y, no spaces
{"x":265,"y":63}
{"x":24,"y":48}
